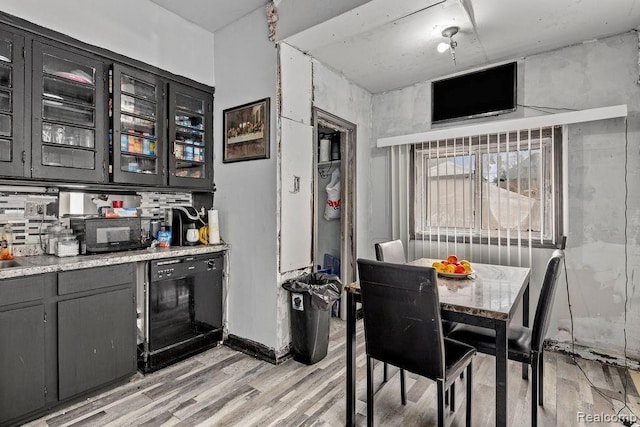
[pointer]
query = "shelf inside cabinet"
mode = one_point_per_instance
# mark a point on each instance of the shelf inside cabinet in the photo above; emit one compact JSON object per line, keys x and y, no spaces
{"x":69,"y":77}
{"x":190,"y":142}
{"x":190,"y":169}
{"x":137,"y":88}
{"x":133,"y":153}
{"x":329,"y":163}
{"x":190,"y":129}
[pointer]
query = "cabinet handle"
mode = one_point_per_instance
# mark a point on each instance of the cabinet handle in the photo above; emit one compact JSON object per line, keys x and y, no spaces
{"x":296,"y":185}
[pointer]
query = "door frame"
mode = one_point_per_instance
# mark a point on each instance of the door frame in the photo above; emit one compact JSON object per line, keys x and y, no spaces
{"x":348,"y":132}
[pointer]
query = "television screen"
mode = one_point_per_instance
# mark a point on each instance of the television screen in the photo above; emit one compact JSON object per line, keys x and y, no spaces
{"x":481,"y":93}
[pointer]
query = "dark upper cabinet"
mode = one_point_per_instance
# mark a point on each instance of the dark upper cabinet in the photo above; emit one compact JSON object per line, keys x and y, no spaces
{"x":69,"y":115}
{"x":191,"y":137}
{"x":138,"y":124}
{"x":76,"y":113}
{"x":12,"y":93}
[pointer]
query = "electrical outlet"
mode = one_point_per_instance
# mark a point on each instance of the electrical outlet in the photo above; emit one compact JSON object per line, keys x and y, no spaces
{"x":35,"y":209}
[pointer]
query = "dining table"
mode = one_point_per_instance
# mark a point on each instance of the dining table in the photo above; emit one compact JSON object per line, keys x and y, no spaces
{"x":489,"y":296}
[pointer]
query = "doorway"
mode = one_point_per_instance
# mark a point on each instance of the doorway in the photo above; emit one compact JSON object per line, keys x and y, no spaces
{"x":334,"y":230}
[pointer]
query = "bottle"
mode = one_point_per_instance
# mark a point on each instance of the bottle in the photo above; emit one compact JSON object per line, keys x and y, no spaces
{"x":164,"y":237}
{"x":6,"y":242}
{"x":335,"y":150}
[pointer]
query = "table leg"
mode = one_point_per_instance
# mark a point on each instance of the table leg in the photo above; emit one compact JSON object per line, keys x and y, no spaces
{"x":525,"y":322}
{"x":501,"y":372}
{"x":351,"y":359}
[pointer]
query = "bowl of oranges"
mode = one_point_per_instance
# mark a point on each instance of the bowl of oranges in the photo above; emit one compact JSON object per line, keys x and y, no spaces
{"x":453,"y":268}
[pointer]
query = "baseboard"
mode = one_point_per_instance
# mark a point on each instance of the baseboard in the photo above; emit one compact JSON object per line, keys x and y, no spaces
{"x":592,"y":354}
{"x":257,"y":350}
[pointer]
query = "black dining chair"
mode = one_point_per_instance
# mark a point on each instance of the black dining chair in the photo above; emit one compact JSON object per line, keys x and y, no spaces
{"x":391,"y":251}
{"x":402,"y":327}
{"x":526,"y":345}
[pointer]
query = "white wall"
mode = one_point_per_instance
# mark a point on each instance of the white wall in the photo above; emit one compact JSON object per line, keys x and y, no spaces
{"x":246,"y":197}
{"x":335,"y":94}
{"x":589,"y":75}
{"x":138,"y":29}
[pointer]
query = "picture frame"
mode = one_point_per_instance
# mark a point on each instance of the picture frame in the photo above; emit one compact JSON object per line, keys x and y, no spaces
{"x":246,"y":132}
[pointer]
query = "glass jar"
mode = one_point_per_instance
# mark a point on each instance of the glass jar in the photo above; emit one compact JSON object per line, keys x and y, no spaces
{"x":67,"y":243}
{"x":53,"y":232}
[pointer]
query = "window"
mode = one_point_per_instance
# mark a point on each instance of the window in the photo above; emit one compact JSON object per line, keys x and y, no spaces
{"x":496,"y":188}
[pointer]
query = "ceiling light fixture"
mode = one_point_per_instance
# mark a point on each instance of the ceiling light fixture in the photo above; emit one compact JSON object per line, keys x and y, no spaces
{"x":449,"y":32}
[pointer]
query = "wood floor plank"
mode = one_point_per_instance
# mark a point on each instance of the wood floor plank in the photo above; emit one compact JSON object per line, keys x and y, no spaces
{"x":222,"y":387}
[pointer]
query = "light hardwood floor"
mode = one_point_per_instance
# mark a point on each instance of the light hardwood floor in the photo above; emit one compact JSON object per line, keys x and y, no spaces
{"x":222,"y":387}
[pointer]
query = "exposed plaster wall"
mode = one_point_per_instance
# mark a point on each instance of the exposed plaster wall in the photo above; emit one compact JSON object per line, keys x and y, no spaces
{"x":295,"y":216}
{"x":589,"y":75}
{"x":335,"y":94}
{"x":246,"y":196}
{"x":138,"y":29}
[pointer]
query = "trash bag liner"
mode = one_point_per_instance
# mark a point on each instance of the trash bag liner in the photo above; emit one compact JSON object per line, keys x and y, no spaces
{"x":325,"y":289}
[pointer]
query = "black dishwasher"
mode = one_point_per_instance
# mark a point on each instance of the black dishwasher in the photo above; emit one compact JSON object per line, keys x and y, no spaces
{"x":183,"y":309}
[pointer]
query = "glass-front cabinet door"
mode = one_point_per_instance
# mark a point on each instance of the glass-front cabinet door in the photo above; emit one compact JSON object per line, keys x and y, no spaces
{"x":190,"y":133}
{"x":69,"y":129}
{"x":12,"y":158}
{"x":138,"y":148}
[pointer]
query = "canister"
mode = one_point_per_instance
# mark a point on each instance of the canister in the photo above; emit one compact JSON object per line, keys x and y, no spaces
{"x":325,"y":147}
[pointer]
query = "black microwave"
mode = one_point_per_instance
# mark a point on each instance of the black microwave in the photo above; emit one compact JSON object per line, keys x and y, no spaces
{"x":99,"y":234}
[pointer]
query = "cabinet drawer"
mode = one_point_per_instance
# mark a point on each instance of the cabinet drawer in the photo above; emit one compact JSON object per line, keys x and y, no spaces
{"x":89,"y":279}
{"x":24,"y":289}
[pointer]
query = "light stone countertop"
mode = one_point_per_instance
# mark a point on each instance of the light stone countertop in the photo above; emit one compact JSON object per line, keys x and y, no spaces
{"x":492,"y":291}
{"x":41,"y":264}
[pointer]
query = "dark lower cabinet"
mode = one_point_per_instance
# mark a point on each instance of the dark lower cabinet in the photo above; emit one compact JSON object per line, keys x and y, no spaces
{"x":96,"y":341}
{"x":64,"y":335}
{"x":22,"y":352}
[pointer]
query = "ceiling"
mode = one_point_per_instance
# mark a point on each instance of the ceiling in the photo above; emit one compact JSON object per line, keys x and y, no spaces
{"x":384,"y":45}
{"x":211,"y":15}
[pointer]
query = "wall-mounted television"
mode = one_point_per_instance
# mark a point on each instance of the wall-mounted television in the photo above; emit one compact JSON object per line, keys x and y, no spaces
{"x":481,"y":93}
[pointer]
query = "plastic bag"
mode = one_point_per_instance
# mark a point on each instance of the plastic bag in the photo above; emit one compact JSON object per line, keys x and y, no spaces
{"x":332,"y":208}
{"x":324,"y":288}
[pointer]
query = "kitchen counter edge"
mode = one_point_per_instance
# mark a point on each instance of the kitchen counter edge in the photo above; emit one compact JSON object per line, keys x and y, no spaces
{"x":41,"y":264}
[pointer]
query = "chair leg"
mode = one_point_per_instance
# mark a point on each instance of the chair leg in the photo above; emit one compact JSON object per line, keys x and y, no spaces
{"x":452,"y":397}
{"x":369,"y":392}
{"x":469,"y":396}
{"x":440,"y":403}
{"x":385,"y":371}
{"x":534,"y":389}
{"x":403,"y":395}
{"x":541,"y":378}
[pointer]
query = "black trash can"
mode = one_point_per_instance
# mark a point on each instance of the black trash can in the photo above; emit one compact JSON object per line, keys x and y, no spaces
{"x":312,"y":295}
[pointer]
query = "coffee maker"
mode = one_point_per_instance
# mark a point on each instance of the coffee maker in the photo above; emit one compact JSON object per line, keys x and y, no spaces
{"x":183,"y":218}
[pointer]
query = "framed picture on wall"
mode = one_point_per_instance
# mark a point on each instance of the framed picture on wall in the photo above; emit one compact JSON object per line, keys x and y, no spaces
{"x":246,"y":132}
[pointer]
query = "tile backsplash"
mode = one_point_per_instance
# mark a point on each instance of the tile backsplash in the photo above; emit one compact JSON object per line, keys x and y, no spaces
{"x":27,"y":232}
{"x":30,"y":224}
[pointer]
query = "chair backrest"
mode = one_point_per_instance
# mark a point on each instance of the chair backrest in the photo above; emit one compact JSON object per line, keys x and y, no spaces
{"x":391,"y":251}
{"x":402,"y":323}
{"x":545,"y":301}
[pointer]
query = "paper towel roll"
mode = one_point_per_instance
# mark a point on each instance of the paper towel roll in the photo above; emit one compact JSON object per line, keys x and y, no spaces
{"x":325,"y":150}
{"x":212,"y":222}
